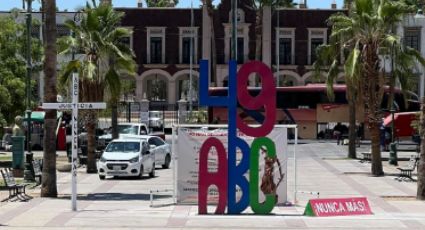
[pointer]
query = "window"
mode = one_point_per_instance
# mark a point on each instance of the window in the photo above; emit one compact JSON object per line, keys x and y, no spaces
{"x":125,"y":41}
{"x":285,"y":38}
{"x":240,"y":50}
{"x":188,"y":37}
{"x":151,"y":141}
{"x":186,"y":50}
{"x":155,"y":47}
{"x":285,"y":51}
{"x":412,"y":38}
{"x":316,"y":37}
{"x":156,"y":50}
{"x":143,"y":130}
{"x":157,"y":141}
{"x":315,"y":42}
{"x":242,"y":42}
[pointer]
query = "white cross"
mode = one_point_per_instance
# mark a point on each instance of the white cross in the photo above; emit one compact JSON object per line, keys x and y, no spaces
{"x":74,"y":106}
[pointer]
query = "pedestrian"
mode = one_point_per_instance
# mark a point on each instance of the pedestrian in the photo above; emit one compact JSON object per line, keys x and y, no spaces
{"x":337,"y":132}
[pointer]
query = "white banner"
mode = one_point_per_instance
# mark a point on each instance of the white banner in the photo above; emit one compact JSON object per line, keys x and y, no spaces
{"x":189,"y":142}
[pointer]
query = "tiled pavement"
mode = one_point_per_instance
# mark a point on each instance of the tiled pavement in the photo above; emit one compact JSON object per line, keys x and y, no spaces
{"x":124,"y":203}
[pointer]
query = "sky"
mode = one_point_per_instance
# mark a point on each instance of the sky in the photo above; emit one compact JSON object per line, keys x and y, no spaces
{"x":71,"y":5}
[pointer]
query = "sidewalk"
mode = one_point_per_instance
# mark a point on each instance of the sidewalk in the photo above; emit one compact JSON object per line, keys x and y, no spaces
{"x":321,"y":167}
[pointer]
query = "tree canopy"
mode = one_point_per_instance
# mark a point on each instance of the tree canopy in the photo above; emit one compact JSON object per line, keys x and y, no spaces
{"x":161,"y":3}
{"x":13,"y":67}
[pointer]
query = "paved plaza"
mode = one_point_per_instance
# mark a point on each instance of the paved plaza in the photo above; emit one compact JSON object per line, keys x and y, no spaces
{"x":124,"y":203}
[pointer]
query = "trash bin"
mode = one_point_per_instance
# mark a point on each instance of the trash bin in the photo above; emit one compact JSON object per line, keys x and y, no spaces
{"x":18,"y":143}
{"x":393,"y":154}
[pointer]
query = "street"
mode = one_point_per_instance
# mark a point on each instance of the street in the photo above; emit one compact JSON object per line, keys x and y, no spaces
{"x":125,"y":203}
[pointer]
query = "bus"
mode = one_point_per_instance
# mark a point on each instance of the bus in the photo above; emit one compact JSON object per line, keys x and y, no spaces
{"x":310,"y":108}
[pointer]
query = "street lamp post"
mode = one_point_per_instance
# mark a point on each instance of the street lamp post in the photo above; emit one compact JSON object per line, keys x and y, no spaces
{"x":28,"y":175}
{"x":420,"y":18}
{"x":234,"y":30}
{"x":393,"y":146}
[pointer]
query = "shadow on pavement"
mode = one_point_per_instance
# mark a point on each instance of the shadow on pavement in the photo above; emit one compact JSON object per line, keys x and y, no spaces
{"x":116,"y":197}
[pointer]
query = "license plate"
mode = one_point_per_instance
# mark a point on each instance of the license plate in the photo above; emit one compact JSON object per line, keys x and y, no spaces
{"x":116,"y":173}
{"x":117,"y":168}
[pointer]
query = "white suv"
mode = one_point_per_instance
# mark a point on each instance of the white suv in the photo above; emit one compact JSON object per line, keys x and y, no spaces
{"x":127,"y":157}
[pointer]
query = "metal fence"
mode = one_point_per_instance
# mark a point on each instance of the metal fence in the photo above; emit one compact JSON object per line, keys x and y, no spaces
{"x":162,"y":115}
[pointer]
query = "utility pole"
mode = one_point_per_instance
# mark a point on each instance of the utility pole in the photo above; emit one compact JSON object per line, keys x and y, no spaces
{"x":393,"y":146}
{"x":191,"y":60}
{"x":234,"y":30}
{"x":29,"y":156}
{"x":277,"y":46}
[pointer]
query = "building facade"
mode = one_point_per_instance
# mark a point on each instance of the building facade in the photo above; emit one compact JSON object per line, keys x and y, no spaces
{"x":162,"y":39}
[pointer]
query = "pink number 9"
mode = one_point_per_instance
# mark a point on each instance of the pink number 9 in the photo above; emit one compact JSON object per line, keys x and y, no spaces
{"x":266,"y":98}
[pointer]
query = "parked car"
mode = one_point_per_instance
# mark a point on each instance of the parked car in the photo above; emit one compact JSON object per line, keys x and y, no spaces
{"x":123,"y":128}
{"x":162,"y":150}
{"x":129,"y":156}
{"x":82,"y":145}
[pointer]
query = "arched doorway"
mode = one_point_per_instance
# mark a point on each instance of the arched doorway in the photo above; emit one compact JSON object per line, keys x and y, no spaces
{"x":287,"y":78}
{"x":155,"y":86}
{"x":182,"y":79}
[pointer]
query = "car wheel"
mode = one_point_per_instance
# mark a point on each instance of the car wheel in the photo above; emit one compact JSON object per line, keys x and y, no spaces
{"x":167,"y":161}
{"x":152,"y":173}
{"x":101,"y":177}
{"x":141,"y":171}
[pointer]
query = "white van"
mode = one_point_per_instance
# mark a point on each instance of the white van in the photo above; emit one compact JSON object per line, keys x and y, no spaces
{"x":127,"y":157}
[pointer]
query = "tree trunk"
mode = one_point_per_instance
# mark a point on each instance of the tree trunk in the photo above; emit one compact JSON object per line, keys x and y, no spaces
{"x":421,"y":167}
{"x":377,"y":169}
{"x":91,"y":142}
{"x":372,"y":89}
{"x":48,"y":184}
{"x":352,"y":135}
{"x":114,"y":120}
{"x":92,"y":91}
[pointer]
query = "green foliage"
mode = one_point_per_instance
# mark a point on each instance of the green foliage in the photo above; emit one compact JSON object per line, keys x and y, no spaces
{"x":364,"y":38}
{"x":197,"y":117}
{"x":13,"y":68}
{"x":105,"y":58}
{"x":161,"y":3}
{"x":259,"y":4}
{"x":368,"y":22}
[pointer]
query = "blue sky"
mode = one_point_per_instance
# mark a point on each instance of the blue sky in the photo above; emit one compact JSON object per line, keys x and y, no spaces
{"x":72,"y":4}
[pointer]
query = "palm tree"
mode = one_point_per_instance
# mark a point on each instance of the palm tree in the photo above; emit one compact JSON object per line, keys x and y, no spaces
{"x":210,"y":10}
{"x":105,"y":58}
{"x":48,"y":185}
{"x":366,"y":33}
{"x":258,"y":6}
{"x":331,"y":53}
